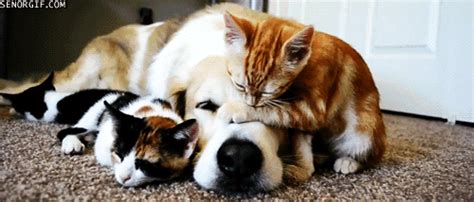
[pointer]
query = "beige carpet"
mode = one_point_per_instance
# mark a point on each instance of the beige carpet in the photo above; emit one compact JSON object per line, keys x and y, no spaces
{"x":425,"y":160}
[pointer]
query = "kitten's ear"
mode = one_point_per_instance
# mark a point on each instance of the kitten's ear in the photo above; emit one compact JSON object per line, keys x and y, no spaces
{"x":8,"y":97}
{"x":187,"y":131}
{"x":298,"y":48}
{"x":47,"y":84}
{"x":234,"y":34}
{"x":121,"y":118}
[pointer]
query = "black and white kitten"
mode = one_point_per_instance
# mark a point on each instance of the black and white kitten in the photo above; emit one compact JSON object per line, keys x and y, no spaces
{"x":141,"y":138}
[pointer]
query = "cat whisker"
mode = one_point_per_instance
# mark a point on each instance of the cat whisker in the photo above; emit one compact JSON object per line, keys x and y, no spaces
{"x":274,"y":104}
{"x":286,"y":99}
{"x":280,"y":101}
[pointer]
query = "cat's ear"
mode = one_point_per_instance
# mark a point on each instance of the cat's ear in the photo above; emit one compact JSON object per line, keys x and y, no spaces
{"x":8,"y":97}
{"x":186,"y":131}
{"x":298,"y":48}
{"x":47,"y":84}
{"x":234,"y":32}
{"x":121,"y":119}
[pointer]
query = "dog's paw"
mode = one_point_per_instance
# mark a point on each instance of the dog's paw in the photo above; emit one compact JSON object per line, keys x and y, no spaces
{"x":296,"y":174}
{"x":72,"y":145}
{"x":233,"y":112}
{"x":346,"y":165}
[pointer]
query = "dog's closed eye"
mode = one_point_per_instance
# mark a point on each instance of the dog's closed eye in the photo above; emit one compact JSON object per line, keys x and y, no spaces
{"x":207,"y":105}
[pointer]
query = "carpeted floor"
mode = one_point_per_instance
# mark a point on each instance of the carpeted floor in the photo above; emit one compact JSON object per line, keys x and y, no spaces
{"x":425,"y":160}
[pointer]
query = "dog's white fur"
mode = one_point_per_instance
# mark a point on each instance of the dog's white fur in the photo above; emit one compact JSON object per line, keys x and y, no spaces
{"x":136,"y":68}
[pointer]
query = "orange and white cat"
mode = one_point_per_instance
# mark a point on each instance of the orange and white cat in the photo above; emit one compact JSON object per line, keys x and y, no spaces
{"x":294,"y":77}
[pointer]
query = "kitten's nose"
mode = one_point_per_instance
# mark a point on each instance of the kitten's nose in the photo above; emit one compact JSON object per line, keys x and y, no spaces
{"x":125,"y":178}
{"x":252,"y":101}
{"x":239,"y":158}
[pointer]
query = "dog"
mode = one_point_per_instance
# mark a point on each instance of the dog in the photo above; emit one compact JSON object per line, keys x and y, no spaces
{"x":240,"y":157}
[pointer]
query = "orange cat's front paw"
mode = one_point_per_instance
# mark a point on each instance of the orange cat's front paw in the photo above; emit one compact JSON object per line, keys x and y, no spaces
{"x":233,"y":112}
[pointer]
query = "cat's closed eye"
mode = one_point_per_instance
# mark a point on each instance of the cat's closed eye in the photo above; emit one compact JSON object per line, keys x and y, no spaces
{"x":207,"y":105}
{"x":154,"y":169}
{"x":239,"y":86}
{"x":116,"y":158}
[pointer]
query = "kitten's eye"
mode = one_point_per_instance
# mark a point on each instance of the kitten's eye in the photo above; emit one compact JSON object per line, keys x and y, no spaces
{"x":207,"y":105}
{"x":240,"y":87}
{"x":116,"y":158}
{"x":155,"y":170}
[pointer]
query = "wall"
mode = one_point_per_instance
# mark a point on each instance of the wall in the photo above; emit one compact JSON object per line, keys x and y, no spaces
{"x":45,"y":40}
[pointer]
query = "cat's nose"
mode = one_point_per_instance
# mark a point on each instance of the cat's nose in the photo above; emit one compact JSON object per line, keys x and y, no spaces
{"x":251,"y":101}
{"x":239,"y":158}
{"x":125,"y":178}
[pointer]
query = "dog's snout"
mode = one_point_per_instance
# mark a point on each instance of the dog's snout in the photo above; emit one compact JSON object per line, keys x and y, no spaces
{"x":239,"y":158}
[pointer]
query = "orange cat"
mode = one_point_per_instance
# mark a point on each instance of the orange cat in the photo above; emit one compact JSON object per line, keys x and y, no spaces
{"x":294,"y":77}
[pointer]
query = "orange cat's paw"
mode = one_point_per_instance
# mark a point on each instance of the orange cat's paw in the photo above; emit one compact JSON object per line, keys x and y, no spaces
{"x":346,"y":165}
{"x":233,"y":112}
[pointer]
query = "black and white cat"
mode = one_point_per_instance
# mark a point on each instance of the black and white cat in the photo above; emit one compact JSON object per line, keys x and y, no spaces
{"x":141,"y":138}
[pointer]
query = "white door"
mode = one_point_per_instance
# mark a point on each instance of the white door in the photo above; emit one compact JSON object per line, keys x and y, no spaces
{"x":420,"y":52}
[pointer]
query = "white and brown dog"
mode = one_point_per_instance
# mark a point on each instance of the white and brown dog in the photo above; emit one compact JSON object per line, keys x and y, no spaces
{"x":247,"y":156}
{"x":163,"y":59}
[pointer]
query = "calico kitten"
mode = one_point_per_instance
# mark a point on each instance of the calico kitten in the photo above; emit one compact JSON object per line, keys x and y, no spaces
{"x":156,"y":147}
{"x":294,"y":77}
{"x":141,"y":138}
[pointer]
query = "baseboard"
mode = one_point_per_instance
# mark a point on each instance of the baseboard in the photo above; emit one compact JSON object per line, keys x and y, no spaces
{"x":463,"y":123}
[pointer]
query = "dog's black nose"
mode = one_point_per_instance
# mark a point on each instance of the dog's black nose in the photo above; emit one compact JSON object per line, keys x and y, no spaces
{"x":239,"y":158}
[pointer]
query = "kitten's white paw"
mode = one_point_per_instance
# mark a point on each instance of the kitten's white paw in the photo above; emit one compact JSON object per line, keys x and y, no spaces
{"x":346,"y":165}
{"x":233,"y":112}
{"x":72,"y":145}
